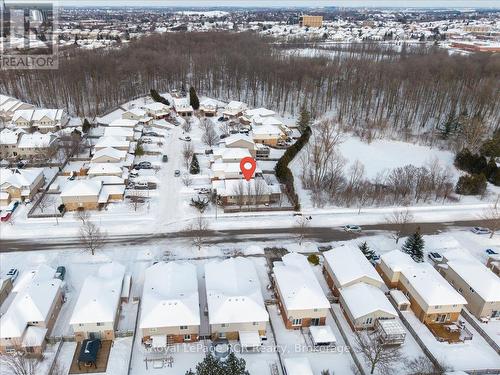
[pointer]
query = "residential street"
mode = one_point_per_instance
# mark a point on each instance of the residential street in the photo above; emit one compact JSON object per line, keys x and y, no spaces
{"x":319,"y":234}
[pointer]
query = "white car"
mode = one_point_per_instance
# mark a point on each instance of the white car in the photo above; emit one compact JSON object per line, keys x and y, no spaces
{"x":480,"y":230}
{"x":13,"y":274}
{"x":352,"y":228}
{"x":435,"y":257}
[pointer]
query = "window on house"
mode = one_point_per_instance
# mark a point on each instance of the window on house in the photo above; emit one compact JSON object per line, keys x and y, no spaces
{"x":495,"y":314}
{"x":10,"y":350}
{"x":223,"y":325}
{"x":184,"y":327}
{"x":297,"y":322}
{"x":255,"y":323}
{"x":187,"y":337}
{"x":460,"y":290}
{"x":153,"y":329}
{"x":81,"y":325}
{"x":369,"y":321}
{"x":222,"y":335}
{"x":472,"y":290}
{"x":100,"y":324}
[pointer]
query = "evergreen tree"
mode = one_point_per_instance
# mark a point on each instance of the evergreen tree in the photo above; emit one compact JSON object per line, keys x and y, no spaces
{"x":195,"y":165}
{"x":234,"y":365}
{"x":209,"y":366}
{"x":366,"y":250}
{"x":305,"y":119}
{"x":193,"y":98}
{"x":414,"y":246}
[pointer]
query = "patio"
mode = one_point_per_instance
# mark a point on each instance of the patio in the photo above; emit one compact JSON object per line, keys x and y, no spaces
{"x":101,"y":360}
{"x":452,"y":332}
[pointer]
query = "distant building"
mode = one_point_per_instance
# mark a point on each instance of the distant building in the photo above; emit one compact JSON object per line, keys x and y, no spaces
{"x":310,"y":21}
{"x":476,"y":47}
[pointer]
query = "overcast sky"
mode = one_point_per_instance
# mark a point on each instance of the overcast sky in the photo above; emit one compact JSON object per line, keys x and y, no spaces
{"x":285,"y":3}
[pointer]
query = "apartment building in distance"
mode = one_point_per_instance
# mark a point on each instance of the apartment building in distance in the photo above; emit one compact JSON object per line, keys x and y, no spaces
{"x":310,"y":21}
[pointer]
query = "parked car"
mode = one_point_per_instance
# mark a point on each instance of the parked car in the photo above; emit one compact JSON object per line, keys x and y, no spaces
{"x":5,"y":216}
{"x":222,"y":136}
{"x":435,"y":257}
{"x":60,"y":273}
{"x":13,"y":274}
{"x":491,"y":252}
{"x":151,"y":134}
{"x":209,"y":152}
{"x":141,"y":185}
{"x":187,"y":139}
{"x":375,"y":259}
{"x":352,"y":228}
{"x":222,"y":119}
{"x":134,"y":173}
{"x":177,"y":173}
{"x":480,"y":230}
{"x":164,"y":158}
{"x":146,"y":141}
{"x":143,"y":165}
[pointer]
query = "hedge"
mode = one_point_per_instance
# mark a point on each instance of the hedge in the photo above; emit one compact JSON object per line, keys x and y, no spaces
{"x":284,"y":174}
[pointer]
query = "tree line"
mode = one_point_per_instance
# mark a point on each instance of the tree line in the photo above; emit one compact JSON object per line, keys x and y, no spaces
{"x":372,"y":93}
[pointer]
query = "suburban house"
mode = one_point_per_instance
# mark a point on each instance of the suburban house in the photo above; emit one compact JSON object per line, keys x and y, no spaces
{"x":228,"y":171}
{"x":137,"y":114}
{"x":432,"y":299}
{"x":36,"y":145}
{"x":105,"y":169}
{"x":32,"y":313}
{"x":156,"y":110}
{"x":230,"y":155}
{"x":363,"y":304}
{"x":234,"y":300}
{"x":234,"y":109}
{"x":120,"y":143}
{"x":109,"y":155}
{"x":208,"y":107}
{"x":300,"y":298}
{"x":241,"y":141}
{"x":297,"y":366}
{"x":9,"y":105}
{"x":90,"y":194}
{"x":123,"y":123}
{"x":43,"y":120}
{"x":267,"y":135}
{"x":347,"y":265}
{"x":310,"y":21}
{"x":21,"y":184}
{"x":261,"y":112}
{"x":473,"y":280}
{"x":119,"y":132}
{"x":240,"y":192}
{"x":8,"y":142}
{"x":96,"y":311}
{"x":170,"y":310}
{"x":182,"y":107}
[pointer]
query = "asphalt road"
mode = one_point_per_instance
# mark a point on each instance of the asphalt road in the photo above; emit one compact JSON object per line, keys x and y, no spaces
{"x":317,"y":234}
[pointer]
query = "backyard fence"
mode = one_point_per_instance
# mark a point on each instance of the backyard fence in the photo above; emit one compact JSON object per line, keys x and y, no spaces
{"x":481,"y":331}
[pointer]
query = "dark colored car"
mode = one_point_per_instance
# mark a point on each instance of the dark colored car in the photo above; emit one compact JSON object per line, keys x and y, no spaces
{"x":164,"y":158}
{"x":60,"y":273}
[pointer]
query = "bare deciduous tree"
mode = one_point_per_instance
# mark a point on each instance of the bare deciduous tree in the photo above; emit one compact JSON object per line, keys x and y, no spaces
{"x":82,"y":215}
{"x":423,"y":366}
{"x":209,"y":136}
{"x":137,"y":199}
{"x":92,"y":237}
{"x":20,"y":364}
{"x":492,"y":217}
{"x":187,"y":180}
{"x":376,"y":353}
{"x":301,"y":227}
{"x":401,"y":219}
{"x":187,"y":125}
{"x":239,"y":193}
{"x":187,"y":153}
{"x":199,"y":229}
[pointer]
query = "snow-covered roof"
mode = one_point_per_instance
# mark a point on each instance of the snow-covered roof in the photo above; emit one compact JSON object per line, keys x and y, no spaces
{"x":36,"y":140}
{"x":34,"y":336}
{"x":479,"y":277}
{"x":108,"y":141}
{"x":399,"y":297}
{"x":298,"y":366}
{"x":156,"y":106}
{"x":118,"y":132}
{"x":32,"y":302}
{"x":19,"y":177}
{"x":110,"y":152}
{"x":233,"y":292}
{"x":104,"y":169}
{"x":182,"y":104}
{"x":424,"y":278}
{"x":349,"y":264}
{"x":123,"y":123}
{"x":233,"y":187}
{"x":269,"y":121}
{"x":231,"y":154}
{"x":391,"y":327}
{"x":80,"y":188}
{"x":362,"y":299}
{"x":170,"y":296}
{"x":322,"y":334}
{"x":10,"y":137}
{"x":99,"y":297}
{"x":262,"y":112}
{"x":299,"y":288}
{"x":137,"y":112}
{"x":38,"y":114}
{"x":235,"y":105}
{"x":266,"y":130}
{"x":238,"y":138}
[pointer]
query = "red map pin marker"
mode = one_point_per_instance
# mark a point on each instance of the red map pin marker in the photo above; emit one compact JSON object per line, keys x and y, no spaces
{"x":247,"y":166}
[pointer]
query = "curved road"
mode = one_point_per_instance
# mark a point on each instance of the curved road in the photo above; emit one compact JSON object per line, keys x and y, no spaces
{"x":318,"y":234}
